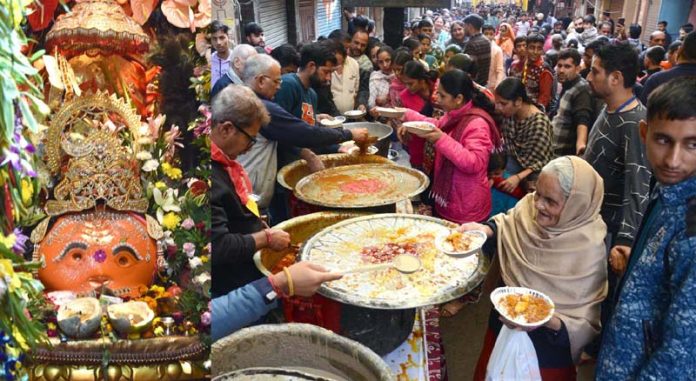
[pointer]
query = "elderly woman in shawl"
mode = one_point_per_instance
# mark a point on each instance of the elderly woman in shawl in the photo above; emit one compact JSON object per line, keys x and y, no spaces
{"x":553,"y":241}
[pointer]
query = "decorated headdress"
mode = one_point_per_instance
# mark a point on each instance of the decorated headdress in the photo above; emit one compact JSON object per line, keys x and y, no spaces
{"x":85,"y":147}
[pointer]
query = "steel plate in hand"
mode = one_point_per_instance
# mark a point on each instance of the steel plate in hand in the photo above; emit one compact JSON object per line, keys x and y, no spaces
{"x":361,"y":186}
{"x":442,"y":278}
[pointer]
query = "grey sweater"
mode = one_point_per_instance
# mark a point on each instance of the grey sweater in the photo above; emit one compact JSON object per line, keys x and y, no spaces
{"x":616,"y":152}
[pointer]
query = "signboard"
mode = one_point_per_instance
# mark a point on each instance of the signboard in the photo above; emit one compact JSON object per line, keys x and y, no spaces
{"x":398,"y":3}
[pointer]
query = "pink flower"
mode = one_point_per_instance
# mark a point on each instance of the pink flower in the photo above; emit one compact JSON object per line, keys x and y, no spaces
{"x":188,"y":224}
{"x":189,"y":249}
{"x":205,"y":318}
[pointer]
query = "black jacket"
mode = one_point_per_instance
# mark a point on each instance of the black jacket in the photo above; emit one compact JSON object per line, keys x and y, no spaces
{"x":231,"y":227}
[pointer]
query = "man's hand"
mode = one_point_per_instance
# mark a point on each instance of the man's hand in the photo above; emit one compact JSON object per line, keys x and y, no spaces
{"x":618,"y":258}
{"x":306,"y":278}
{"x":321,"y":117}
{"x":362,"y":108}
{"x":279,"y":239}
{"x":580,"y":148}
{"x":360,"y":135}
{"x":313,"y":161}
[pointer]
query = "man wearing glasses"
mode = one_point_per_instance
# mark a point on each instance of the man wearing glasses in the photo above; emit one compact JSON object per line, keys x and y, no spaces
{"x":262,"y":75}
{"x":237,"y":232}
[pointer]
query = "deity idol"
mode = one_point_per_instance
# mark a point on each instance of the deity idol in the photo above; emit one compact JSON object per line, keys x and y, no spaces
{"x":98,"y":238}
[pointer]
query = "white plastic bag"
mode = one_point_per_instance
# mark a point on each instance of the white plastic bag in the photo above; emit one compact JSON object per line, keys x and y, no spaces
{"x":513,"y":358}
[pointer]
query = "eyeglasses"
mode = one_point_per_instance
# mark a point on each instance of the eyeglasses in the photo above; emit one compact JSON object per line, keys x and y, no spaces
{"x":252,"y":140}
{"x":276,"y":81}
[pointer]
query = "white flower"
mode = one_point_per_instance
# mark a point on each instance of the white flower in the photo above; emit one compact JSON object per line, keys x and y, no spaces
{"x":3,"y":288}
{"x":150,"y":165}
{"x":202,"y":278}
{"x":168,"y":240}
{"x":167,"y":202}
{"x":195,"y":262}
{"x":143,"y":155}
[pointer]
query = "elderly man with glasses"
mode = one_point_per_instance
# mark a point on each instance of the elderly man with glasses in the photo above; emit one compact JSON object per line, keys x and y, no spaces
{"x":262,"y":75}
{"x":236,"y":227}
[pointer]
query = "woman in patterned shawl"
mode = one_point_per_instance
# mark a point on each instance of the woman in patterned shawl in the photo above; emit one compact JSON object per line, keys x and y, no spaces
{"x":526,"y":133}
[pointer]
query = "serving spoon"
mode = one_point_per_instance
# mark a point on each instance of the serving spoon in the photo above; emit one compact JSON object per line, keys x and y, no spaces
{"x":402,"y":263}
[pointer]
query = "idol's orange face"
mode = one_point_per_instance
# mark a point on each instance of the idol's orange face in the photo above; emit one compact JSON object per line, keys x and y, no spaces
{"x":96,"y":251}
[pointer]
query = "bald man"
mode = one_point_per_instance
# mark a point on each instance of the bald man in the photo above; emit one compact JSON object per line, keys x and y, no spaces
{"x":240,"y":54}
{"x":657,"y":38}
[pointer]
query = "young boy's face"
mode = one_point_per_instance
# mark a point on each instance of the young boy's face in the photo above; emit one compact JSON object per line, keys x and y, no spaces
{"x":425,"y":46}
{"x":535,"y":50}
{"x":521,"y":49}
{"x":671,"y":148}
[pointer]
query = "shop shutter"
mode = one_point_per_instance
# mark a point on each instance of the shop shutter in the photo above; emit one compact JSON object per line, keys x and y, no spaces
{"x":651,"y":22}
{"x":307,"y":20}
{"x":274,"y":21}
{"x":328,"y":16}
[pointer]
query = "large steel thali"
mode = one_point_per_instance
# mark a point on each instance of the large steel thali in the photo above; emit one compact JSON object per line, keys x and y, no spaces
{"x":441,"y":279}
{"x":361,"y":186}
{"x":291,"y":174}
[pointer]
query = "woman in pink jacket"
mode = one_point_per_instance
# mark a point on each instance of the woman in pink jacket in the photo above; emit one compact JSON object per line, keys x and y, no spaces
{"x":463,"y":140}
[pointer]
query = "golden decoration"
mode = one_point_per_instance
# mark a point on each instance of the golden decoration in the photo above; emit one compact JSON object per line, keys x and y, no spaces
{"x":97,"y":27}
{"x":77,"y":116}
{"x":100,"y":169}
{"x":154,"y":230}
{"x":39,"y":232}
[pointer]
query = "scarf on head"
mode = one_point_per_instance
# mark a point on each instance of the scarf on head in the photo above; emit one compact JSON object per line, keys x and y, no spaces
{"x":237,"y":174}
{"x":506,"y":41}
{"x":567,"y":261}
{"x":455,"y":127}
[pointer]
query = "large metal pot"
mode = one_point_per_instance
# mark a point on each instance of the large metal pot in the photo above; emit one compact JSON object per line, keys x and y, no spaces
{"x":291,"y":174}
{"x":381,"y":131}
{"x":380,"y":330}
{"x":316,"y":353}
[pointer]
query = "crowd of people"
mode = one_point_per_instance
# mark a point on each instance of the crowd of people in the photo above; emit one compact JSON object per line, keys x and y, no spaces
{"x":566,"y":140}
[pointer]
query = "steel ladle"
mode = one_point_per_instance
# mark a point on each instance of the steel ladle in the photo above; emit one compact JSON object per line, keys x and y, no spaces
{"x":403,"y":263}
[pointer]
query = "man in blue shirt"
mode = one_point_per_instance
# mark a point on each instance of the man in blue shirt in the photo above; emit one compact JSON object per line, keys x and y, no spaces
{"x":250,"y":303}
{"x":652,"y":333}
{"x":317,"y":63}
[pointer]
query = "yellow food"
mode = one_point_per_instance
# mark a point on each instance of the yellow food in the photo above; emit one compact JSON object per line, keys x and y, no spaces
{"x":461,"y":242}
{"x":531,"y":308}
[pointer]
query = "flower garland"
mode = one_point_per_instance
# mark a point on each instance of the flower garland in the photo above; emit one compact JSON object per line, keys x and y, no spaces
{"x":21,"y":112}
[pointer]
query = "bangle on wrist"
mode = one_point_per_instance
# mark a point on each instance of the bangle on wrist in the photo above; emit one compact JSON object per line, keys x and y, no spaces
{"x":291,"y":286}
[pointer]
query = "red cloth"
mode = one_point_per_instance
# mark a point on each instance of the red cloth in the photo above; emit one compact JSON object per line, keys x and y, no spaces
{"x":518,"y":193}
{"x":238,"y":176}
{"x":537,"y":79}
{"x":547,"y":374}
{"x":416,"y":146}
